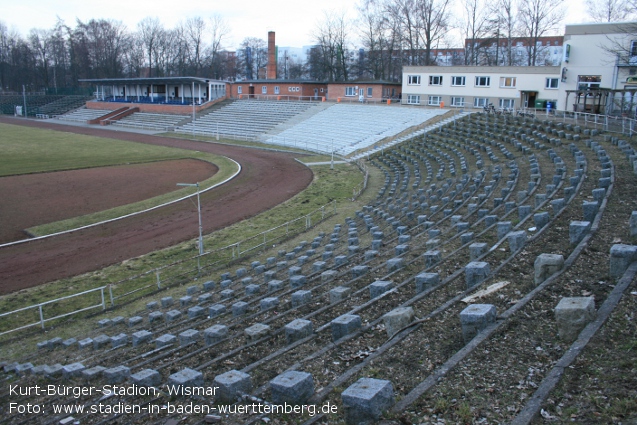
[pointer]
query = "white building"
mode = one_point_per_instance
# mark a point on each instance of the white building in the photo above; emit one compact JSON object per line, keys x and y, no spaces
{"x":478,"y":86}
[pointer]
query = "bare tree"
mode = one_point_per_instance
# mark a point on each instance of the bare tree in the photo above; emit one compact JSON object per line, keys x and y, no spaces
{"x":433,"y":21}
{"x":380,"y":40}
{"x":218,"y":31}
{"x":194,"y":32}
{"x":475,"y":27}
{"x":150,"y":30}
{"x":39,"y":40}
{"x":537,"y":19}
{"x":253,"y":56}
{"x":609,"y":10}
{"x":332,"y":42}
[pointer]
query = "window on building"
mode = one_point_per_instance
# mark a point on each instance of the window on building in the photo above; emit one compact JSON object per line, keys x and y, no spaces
{"x":457,"y":101}
{"x":350,"y":91}
{"x":264,"y":89}
{"x":413,"y":99}
{"x":435,"y":80}
{"x":434,"y":100}
{"x":480,"y":102}
{"x":239,"y":89}
{"x":277,"y":90}
{"x":552,"y":83}
{"x":413,"y":80}
{"x":369,"y":91}
{"x":507,"y":82}
{"x":507,"y":103}
{"x":633,"y":48}
{"x":483,"y":81}
{"x":458,"y":81}
{"x":586,"y":82}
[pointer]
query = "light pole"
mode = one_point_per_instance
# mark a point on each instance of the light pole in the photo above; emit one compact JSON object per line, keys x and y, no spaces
{"x":198,"y":211}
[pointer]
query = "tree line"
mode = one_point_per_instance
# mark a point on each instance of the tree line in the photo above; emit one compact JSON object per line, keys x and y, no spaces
{"x":390,"y":34}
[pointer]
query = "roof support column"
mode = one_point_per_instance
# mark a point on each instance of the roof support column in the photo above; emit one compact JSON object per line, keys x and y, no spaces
{"x":182,"y":93}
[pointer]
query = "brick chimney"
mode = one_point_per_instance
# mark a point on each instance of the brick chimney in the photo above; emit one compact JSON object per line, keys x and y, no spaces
{"x":271,"y":69}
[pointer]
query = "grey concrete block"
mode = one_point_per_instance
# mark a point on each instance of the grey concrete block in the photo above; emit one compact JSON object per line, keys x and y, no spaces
{"x":54,"y":370}
{"x":297,"y":281}
{"x":476,"y":272}
{"x":226,"y":294}
{"x":141,"y":337}
{"x":397,"y":319}
{"x":72,"y":370}
{"x":231,"y":386}
{"x":339,"y":293}
{"x":226,"y":283}
{"x":577,"y":230}
{"x":401,"y":249}
{"x":85,"y":343}
{"x":192,"y":290}
{"x":104,"y":323}
{"x":241,"y":272}
{"x":547,"y":264}
{"x":214,"y":334}
{"x":216,"y":310}
{"x":204,"y":298}
{"x":209,"y":285}
{"x":257,"y":331}
{"x":246,"y":281}
{"x":275,"y":285}
{"x":621,"y":256}
{"x":366,"y":400}
{"x":146,"y":378}
{"x":558,"y":205}
{"x":432,"y":257}
{"x":345,"y":325}
{"x":318,"y":266}
{"x":379,"y":287}
{"x":297,"y":329}
{"x":340,"y":260}
{"x":394,"y":264}
{"x":572,"y":315}
{"x":292,"y":387}
{"x":165,"y":340}
{"x":188,"y":337}
{"x":632,"y":224}
{"x":475,"y":318}
{"x":93,"y":373}
{"x":185,"y":301}
{"x":589,"y":209}
{"x":477,"y":249}
{"x":117,"y":374}
{"x":135,"y":320}
{"x":253,"y":289}
{"x":370,"y":254}
{"x":516,"y":240}
{"x":524,"y":211}
{"x":119,"y":340}
{"x":504,"y":227}
{"x":541,"y":219}
{"x":301,"y":297}
{"x":294,"y":270}
{"x":358,"y":271}
{"x":239,"y":308}
{"x":101,"y":341}
{"x":173,"y":315}
{"x":186,"y":378}
{"x":269,"y":303}
{"x":426,"y":280}
{"x":196,"y":311}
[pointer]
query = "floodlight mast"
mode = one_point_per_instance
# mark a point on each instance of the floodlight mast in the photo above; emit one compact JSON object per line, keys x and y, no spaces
{"x":198,"y":213}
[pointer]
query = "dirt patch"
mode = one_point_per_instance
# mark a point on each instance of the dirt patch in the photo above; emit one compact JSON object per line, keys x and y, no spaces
{"x":34,"y":199}
{"x":267,"y":178}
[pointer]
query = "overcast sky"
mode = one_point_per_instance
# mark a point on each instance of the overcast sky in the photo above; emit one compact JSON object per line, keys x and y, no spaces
{"x":292,"y":20}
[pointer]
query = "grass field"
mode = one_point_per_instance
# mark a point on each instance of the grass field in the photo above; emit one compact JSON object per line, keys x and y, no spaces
{"x":28,"y":150}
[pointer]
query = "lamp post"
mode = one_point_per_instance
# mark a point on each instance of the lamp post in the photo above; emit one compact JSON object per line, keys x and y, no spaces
{"x":198,"y":211}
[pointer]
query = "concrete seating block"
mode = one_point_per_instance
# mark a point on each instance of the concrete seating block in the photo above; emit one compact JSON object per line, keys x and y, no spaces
{"x":433,"y":233}
{"x":605,"y":182}
{"x":504,"y":227}
{"x":379,"y":287}
{"x":621,"y":256}
{"x":599,"y":194}
{"x":225,"y":276}
{"x":358,"y":271}
{"x":397,"y":319}
{"x":370,"y":254}
{"x":401,"y":249}
{"x":547,"y":264}
{"x":490,"y":220}
{"x":403,"y":239}
{"x":572,"y":314}
{"x":577,"y":230}
{"x":275,"y":285}
{"x":173,"y":315}
{"x":204,"y":298}
{"x":476,"y":272}
{"x":231,"y":386}
{"x":246,"y":281}
{"x":340,"y":260}
{"x":432,"y":257}
{"x":474,"y":318}
{"x":196,"y":311}
{"x":327,"y":255}
{"x":69,"y":342}
{"x":466,"y":237}
{"x":366,"y":400}
{"x":301,"y":297}
{"x":297,"y":281}
{"x":257,"y":331}
{"x":239,"y":308}
{"x":318,"y":266}
{"x":134,"y":321}
{"x":146,"y":378}
{"x":225,"y":283}
{"x":85,"y":343}
{"x":516,"y":240}
{"x":119,"y":340}
{"x":188,"y":337}
{"x":426,"y":280}
{"x":589,"y":209}
{"x":253,"y":289}
{"x":186,"y":378}
{"x":345,"y":325}
{"x":281,"y":265}
{"x":209,"y":285}
{"x":297,"y":329}
{"x":268,"y":276}
{"x":292,"y":387}
{"x":117,"y":374}
{"x":290,"y":256}
{"x":328,"y":275}
{"x":24,"y":368}
{"x":241,"y":272}
{"x":214,"y":334}
{"x":72,"y":370}
{"x":53,"y":370}
{"x":165,"y":340}
{"x":104,"y":323}
{"x":269,"y":303}
{"x":541,"y":219}
{"x":216,"y":310}
{"x":394,"y":264}
{"x":557,"y":205}
{"x":141,"y":337}
{"x":524,"y":211}
{"x":185,"y":301}
{"x":226,"y":294}
{"x":153,"y":305}
{"x":54,"y":342}
{"x":192,"y":290}
{"x":462,"y":227}
{"x":101,"y":341}
{"x":632,"y":224}
{"x":294,"y":270}
{"x":339,"y":293}
{"x":93,"y":372}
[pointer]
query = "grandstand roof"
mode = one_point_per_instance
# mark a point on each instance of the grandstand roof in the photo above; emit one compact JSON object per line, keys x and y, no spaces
{"x":150,"y":80}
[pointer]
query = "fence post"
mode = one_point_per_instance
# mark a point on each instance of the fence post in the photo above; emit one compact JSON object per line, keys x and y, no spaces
{"x":41,"y":316}
{"x":158,"y":281}
{"x":110,"y":291}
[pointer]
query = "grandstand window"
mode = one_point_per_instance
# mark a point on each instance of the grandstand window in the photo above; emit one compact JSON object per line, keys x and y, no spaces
{"x":413,"y":99}
{"x":483,"y":81}
{"x":479,"y":102}
{"x":434,"y":100}
{"x":457,"y":101}
{"x":435,"y":80}
{"x":507,"y":103}
{"x":350,"y":91}
{"x":239,"y":89}
{"x":507,"y":82}
{"x":413,"y":80}
{"x":277,"y":89}
{"x":458,"y":81}
{"x":264,"y":89}
{"x":369,"y":92}
{"x":587,"y":82}
{"x":552,"y":83}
